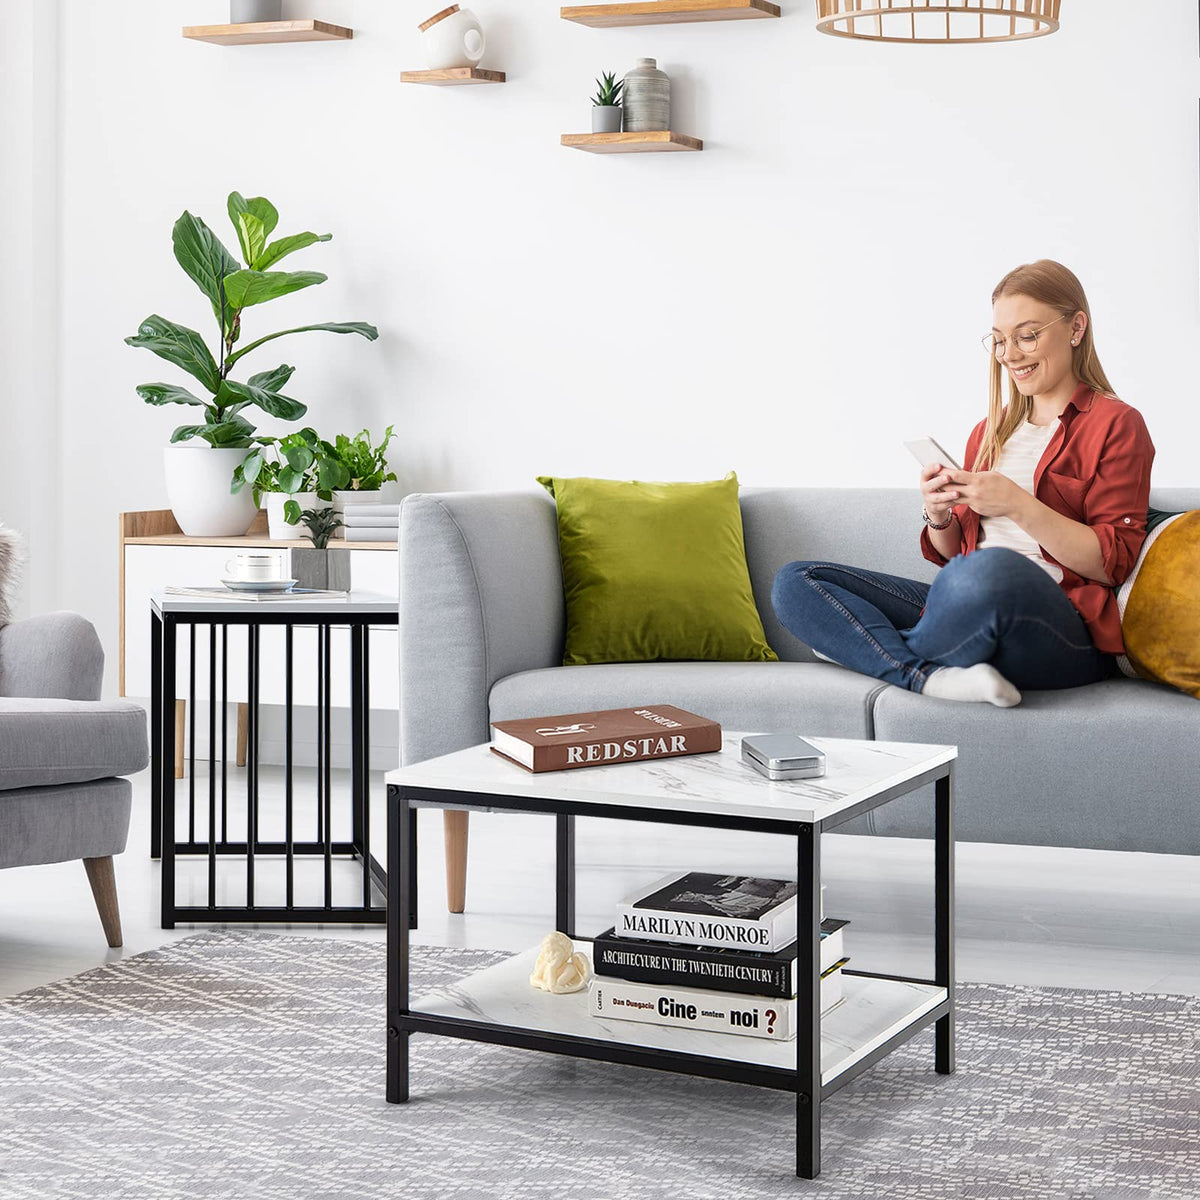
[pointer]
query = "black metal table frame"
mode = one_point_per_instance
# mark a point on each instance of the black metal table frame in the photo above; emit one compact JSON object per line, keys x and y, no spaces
{"x":164,"y":633}
{"x":805,"y":1079}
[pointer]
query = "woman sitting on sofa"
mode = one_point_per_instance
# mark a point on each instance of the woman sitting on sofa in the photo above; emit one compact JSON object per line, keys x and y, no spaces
{"x":1033,"y":537}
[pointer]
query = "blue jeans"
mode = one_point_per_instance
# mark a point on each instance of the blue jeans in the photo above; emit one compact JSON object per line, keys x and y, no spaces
{"x":994,"y":606}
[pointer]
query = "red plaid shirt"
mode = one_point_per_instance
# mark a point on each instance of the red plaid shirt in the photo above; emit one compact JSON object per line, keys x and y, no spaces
{"x":1096,"y":470}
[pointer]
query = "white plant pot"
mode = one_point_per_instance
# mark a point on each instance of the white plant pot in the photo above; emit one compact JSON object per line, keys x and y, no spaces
{"x":278,"y":530}
{"x":198,"y":479}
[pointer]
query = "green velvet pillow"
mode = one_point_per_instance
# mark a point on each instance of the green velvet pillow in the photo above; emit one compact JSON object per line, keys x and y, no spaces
{"x":655,"y":571}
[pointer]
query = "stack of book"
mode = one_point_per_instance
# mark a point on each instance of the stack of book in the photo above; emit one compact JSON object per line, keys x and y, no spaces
{"x":371,"y":522}
{"x":710,"y":952}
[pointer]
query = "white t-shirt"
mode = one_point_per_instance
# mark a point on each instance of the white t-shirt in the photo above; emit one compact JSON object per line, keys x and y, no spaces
{"x":1018,"y":460}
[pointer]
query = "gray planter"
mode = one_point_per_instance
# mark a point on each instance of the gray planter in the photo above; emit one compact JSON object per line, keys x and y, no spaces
{"x":647,"y":98}
{"x":248,"y":12}
{"x":328,"y":570}
{"x":606,"y":118}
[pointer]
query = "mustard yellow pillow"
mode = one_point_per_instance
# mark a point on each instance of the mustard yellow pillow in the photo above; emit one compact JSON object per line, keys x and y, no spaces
{"x":655,"y":571}
{"x":1160,"y":606}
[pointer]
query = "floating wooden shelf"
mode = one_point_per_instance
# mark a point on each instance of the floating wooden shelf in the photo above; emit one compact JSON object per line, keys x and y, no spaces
{"x":631,"y":143}
{"x":452,"y":75}
{"x":261,"y":33}
{"x":668,"y":12}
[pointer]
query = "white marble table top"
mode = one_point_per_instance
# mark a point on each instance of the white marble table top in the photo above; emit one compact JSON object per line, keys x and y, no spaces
{"x":356,"y":603}
{"x":711,"y":784}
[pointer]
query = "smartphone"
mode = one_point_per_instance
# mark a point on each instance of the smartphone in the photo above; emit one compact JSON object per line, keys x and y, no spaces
{"x":782,"y":756}
{"x":925,"y":450}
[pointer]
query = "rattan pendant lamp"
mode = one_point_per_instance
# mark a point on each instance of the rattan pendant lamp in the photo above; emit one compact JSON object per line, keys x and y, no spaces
{"x":938,"y":22}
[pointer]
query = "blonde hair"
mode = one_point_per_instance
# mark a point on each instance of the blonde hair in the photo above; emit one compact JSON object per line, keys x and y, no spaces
{"x":1052,"y":284}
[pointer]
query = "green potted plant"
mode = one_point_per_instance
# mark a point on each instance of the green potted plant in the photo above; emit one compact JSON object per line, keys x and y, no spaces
{"x":200,"y":482}
{"x":365,"y":466}
{"x":606,"y":105}
{"x":320,"y":567}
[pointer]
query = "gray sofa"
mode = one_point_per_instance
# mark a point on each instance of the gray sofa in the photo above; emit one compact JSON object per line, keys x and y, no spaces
{"x":62,"y":752}
{"x":1114,"y":765}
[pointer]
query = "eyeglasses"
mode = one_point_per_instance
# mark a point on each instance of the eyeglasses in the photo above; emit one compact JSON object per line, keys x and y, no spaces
{"x":1027,"y":342}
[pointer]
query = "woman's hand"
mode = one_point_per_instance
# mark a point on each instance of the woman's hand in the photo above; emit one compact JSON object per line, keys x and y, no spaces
{"x":938,"y":501}
{"x":988,"y":493}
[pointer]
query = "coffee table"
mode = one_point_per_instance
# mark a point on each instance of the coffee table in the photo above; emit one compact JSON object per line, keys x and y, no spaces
{"x":718,"y":791}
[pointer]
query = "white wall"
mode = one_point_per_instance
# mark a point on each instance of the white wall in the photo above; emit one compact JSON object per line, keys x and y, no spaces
{"x":792,"y":302}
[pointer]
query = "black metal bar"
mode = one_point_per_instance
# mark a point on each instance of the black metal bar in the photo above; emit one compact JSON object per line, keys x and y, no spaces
{"x":943,"y":900}
{"x":808,"y":1002}
{"x":414,"y":856}
{"x":365,"y":787}
{"x":251,"y":758}
{"x":157,"y":709}
{"x":326,"y":708}
{"x":357,"y":824}
{"x":564,"y":874}
{"x":340,"y":849}
{"x":167,"y":772}
{"x":191,"y":733}
{"x":379,"y":874}
{"x":884,"y":1049}
{"x":448,"y":798}
{"x":892,"y":793}
{"x":891,"y":978}
{"x":212,"y":764}
{"x":399,"y":849}
{"x":276,"y":915}
{"x":289,"y":818}
{"x":779,"y":1078}
{"x":224,"y":732}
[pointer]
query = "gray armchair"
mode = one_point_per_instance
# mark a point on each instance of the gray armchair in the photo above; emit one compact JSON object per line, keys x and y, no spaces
{"x":62,"y":755}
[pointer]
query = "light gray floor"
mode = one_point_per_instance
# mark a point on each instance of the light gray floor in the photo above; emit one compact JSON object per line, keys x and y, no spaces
{"x":1071,"y":918}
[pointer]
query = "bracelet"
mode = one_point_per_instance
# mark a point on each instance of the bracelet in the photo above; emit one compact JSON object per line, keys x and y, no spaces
{"x":944,"y":525}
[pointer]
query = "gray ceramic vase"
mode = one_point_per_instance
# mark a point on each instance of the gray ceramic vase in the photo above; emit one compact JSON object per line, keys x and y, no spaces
{"x":326,"y":570}
{"x":249,"y":12}
{"x":606,"y":118}
{"x":647,"y":98}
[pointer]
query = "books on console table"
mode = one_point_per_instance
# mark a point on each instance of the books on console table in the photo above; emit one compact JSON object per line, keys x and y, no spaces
{"x":719,"y":970}
{"x":699,"y":1008}
{"x":594,"y":739}
{"x":371,"y":514}
{"x":371,"y":533}
{"x":740,"y":912}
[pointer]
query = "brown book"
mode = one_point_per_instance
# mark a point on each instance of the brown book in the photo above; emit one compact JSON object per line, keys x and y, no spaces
{"x":597,"y":739}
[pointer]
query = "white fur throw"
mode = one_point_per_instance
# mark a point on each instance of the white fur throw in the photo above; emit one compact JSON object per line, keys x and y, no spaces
{"x":11,"y":561}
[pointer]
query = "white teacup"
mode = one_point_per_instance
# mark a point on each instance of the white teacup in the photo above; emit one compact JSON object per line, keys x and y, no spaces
{"x":254,"y":568}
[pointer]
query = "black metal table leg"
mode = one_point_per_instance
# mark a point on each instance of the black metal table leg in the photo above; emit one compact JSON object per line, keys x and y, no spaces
{"x":808,"y":1002}
{"x":944,"y":918}
{"x":402,"y":877}
{"x":156,"y":731}
{"x":564,"y":874}
{"x":166,"y":772}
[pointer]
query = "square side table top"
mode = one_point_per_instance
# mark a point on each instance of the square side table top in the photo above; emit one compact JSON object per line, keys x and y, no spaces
{"x":717,"y":784}
{"x":356,"y":603}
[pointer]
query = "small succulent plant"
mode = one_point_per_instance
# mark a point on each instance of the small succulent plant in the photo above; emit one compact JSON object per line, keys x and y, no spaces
{"x":321,"y":524}
{"x":610,"y":91}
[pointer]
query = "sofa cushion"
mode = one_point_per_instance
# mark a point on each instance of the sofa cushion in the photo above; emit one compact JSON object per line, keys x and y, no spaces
{"x":655,"y":571}
{"x":45,"y":742}
{"x":1078,"y":767}
{"x":821,"y":699}
{"x":59,"y":824}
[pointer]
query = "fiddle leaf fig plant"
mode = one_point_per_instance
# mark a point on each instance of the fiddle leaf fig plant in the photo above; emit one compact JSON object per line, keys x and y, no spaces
{"x":231,"y":289}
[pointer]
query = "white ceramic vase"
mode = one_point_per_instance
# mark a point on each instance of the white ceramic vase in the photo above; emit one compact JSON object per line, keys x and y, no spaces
{"x":198,"y":479}
{"x":452,"y":38}
{"x":247,"y":12}
{"x":647,"y":98}
{"x":278,"y":530}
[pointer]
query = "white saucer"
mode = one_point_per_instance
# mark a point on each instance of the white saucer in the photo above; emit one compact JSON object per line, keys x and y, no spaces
{"x":259,"y":585}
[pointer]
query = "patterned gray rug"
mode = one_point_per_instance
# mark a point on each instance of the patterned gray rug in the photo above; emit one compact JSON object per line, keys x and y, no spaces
{"x":251,"y":1065}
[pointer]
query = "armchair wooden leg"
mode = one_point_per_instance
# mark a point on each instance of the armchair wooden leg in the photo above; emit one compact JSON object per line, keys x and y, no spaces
{"x":180,"y":729}
{"x":243,"y":731}
{"x":454,"y":828}
{"x":104,"y":889}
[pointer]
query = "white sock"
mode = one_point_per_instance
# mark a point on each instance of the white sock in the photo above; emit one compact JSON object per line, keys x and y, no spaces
{"x":982,"y":682}
{"x":826,"y":658}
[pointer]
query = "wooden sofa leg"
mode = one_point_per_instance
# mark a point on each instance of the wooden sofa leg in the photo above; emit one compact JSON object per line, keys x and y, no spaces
{"x":243,"y":731}
{"x":454,"y":827}
{"x":180,"y":730}
{"x":104,"y":889}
